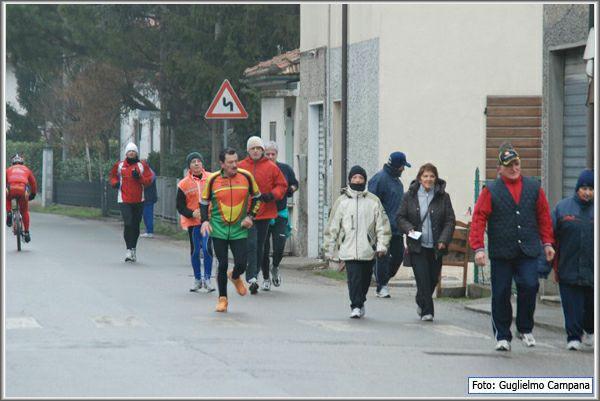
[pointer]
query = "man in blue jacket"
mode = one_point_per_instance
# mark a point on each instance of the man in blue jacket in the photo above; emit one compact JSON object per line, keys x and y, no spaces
{"x":386,"y":185}
{"x":573,"y":221}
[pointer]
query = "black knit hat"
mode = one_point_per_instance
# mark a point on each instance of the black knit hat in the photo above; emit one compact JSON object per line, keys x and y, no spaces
{"x":357,"y":170}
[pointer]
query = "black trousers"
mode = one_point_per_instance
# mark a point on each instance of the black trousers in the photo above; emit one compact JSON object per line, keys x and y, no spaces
{"x":387,"y":266}
{"x":277,"y":233}
{"x":359,"y":274}
{"x":427,"y":272}
{"x":257,"y":236}
{"x":132,"y":216}
{"x":238,"y":248}
{"x":578,"y":308}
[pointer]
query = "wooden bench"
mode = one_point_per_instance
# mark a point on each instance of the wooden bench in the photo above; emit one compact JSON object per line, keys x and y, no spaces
{"x":459,"y":254}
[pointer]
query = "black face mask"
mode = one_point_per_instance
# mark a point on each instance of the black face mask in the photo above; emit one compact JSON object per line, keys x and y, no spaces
{"x":358,"y":187}
{"x":132,"y":160}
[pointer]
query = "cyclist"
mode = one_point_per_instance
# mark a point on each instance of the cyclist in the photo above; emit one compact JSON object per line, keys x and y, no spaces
{"x":20,"y":185}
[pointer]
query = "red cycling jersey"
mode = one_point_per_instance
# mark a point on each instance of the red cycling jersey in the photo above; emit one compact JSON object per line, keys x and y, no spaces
{"x":20,"y":181}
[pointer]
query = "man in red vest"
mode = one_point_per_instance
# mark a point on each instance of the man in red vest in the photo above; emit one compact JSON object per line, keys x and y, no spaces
{"x":517,"y":215}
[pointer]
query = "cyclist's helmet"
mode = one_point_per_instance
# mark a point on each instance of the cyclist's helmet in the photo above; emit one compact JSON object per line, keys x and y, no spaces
{"x":17,"y":159}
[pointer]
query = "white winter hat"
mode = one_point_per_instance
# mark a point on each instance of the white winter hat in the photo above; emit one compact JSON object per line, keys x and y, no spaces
{"x":131,"y":146}
{"x":253,"y":142}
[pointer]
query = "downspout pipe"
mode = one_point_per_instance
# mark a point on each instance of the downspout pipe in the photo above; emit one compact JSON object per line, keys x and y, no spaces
{"x":344,"y":92}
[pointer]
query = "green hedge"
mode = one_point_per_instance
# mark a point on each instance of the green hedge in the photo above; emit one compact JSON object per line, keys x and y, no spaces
{"x":75,"y":169}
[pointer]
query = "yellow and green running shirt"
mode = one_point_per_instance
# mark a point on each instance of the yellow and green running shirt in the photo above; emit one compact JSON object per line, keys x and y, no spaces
{"x":229,"y":199}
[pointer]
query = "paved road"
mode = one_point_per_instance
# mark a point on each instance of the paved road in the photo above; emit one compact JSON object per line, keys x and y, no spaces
{"x":80,"y":322}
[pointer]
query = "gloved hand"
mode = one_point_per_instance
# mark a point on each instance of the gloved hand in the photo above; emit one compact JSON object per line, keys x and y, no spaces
{"x":267,"y":197}
{"x":135,"y":174}
{"x":32,"y":196}
{"x":117,"y":185}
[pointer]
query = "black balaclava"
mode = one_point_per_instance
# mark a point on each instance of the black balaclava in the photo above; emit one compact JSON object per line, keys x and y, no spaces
{"x":357,"y":170}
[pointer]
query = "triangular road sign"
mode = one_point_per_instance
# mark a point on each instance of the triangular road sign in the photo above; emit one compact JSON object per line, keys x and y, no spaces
{"x":226,"y":105}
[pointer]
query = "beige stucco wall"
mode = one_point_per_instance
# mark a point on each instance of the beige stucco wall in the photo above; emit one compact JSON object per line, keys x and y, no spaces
{"x":364,"y":21}
{"x":437,"y":65}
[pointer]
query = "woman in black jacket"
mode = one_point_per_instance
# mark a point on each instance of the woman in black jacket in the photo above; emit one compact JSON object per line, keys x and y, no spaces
{"x":427,"y":217}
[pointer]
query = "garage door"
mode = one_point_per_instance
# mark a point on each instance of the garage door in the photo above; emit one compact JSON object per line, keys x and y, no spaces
{"x":574,"y":119}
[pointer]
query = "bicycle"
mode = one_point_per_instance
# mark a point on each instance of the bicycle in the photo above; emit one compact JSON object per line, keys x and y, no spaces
{"x":17,"y":222}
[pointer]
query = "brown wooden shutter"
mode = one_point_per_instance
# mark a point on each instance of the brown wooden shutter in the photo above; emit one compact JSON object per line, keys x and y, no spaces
{"x":518,"y":120}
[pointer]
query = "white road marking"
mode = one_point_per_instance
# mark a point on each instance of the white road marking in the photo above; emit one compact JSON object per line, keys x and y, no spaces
{"x":456,"y":331}
{"x":21,"y":323}
{"x":225,"y":321}
{"x":109,"y":321}
{"x":333,"y":325}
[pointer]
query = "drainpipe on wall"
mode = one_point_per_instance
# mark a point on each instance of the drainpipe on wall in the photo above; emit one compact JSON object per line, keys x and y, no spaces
{"x":344,"y":91}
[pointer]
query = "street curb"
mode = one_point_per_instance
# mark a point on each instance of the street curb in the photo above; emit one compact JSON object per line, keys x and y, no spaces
{"x":478,"y":308}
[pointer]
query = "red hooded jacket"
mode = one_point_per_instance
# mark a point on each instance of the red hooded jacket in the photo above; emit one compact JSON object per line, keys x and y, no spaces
{"x":269,"y":179}
{"x":131,"y":189}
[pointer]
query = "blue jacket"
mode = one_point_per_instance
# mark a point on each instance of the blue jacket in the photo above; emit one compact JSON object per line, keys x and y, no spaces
{"x":150,"y":192}
{"x":573,"y":223}
{"x":389,"y":190}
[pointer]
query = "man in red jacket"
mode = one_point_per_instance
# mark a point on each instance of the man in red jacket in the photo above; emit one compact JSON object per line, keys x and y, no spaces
{"x":129,"y":177}
{"x":517,"y":215}
{"x":273,"y":187}
{"x":20,"y":185}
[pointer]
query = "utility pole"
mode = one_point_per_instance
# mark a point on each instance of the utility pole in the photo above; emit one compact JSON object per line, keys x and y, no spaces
{"x":344,"y":91}
{"x":162,"y":89}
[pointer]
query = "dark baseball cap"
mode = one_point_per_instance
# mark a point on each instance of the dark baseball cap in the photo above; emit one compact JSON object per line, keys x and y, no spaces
{"x":506,"y":156}
{"x":398,"y":159}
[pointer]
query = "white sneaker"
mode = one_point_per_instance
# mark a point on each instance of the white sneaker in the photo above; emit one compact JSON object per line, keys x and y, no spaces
{"x":147,"y":235}
{"x":355,"y":314}
{"x":427,"y":318}
{"x":588,"y":339}
{"x":266,"y":285}
{"x":134,"y":255}
{"x":129,"y":256}
{"x":503,"y":345}
{"x":198,"y":284}
{"x":276,"y":280}
{"x":362,"y":311}
{"x":574,"y":345}
{"x":528,"y":339}
{"x":384,"y":292}
{"x":208,"y":286}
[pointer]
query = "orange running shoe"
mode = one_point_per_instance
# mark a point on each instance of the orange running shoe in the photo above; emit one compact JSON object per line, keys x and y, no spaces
{"x":240,"y":287}
{"x":222,"y":305}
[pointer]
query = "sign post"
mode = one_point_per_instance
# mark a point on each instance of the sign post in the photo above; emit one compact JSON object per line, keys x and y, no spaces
{"x":225,"y":106}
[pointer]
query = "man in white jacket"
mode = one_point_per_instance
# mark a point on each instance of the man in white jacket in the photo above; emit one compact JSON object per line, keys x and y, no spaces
{"x":359,"y":230}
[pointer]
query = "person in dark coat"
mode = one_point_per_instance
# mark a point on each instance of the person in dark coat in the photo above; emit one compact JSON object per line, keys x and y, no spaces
{"x":517,"y":215}
{"x":386,"y":185}
{"x":573,"y":223}
{"x":279,"y":227}
{"x":150,"y":198}
{"x":427,"y":218}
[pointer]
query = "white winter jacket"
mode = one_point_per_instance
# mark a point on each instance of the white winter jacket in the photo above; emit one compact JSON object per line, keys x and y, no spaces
{"x":358,"y":227}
